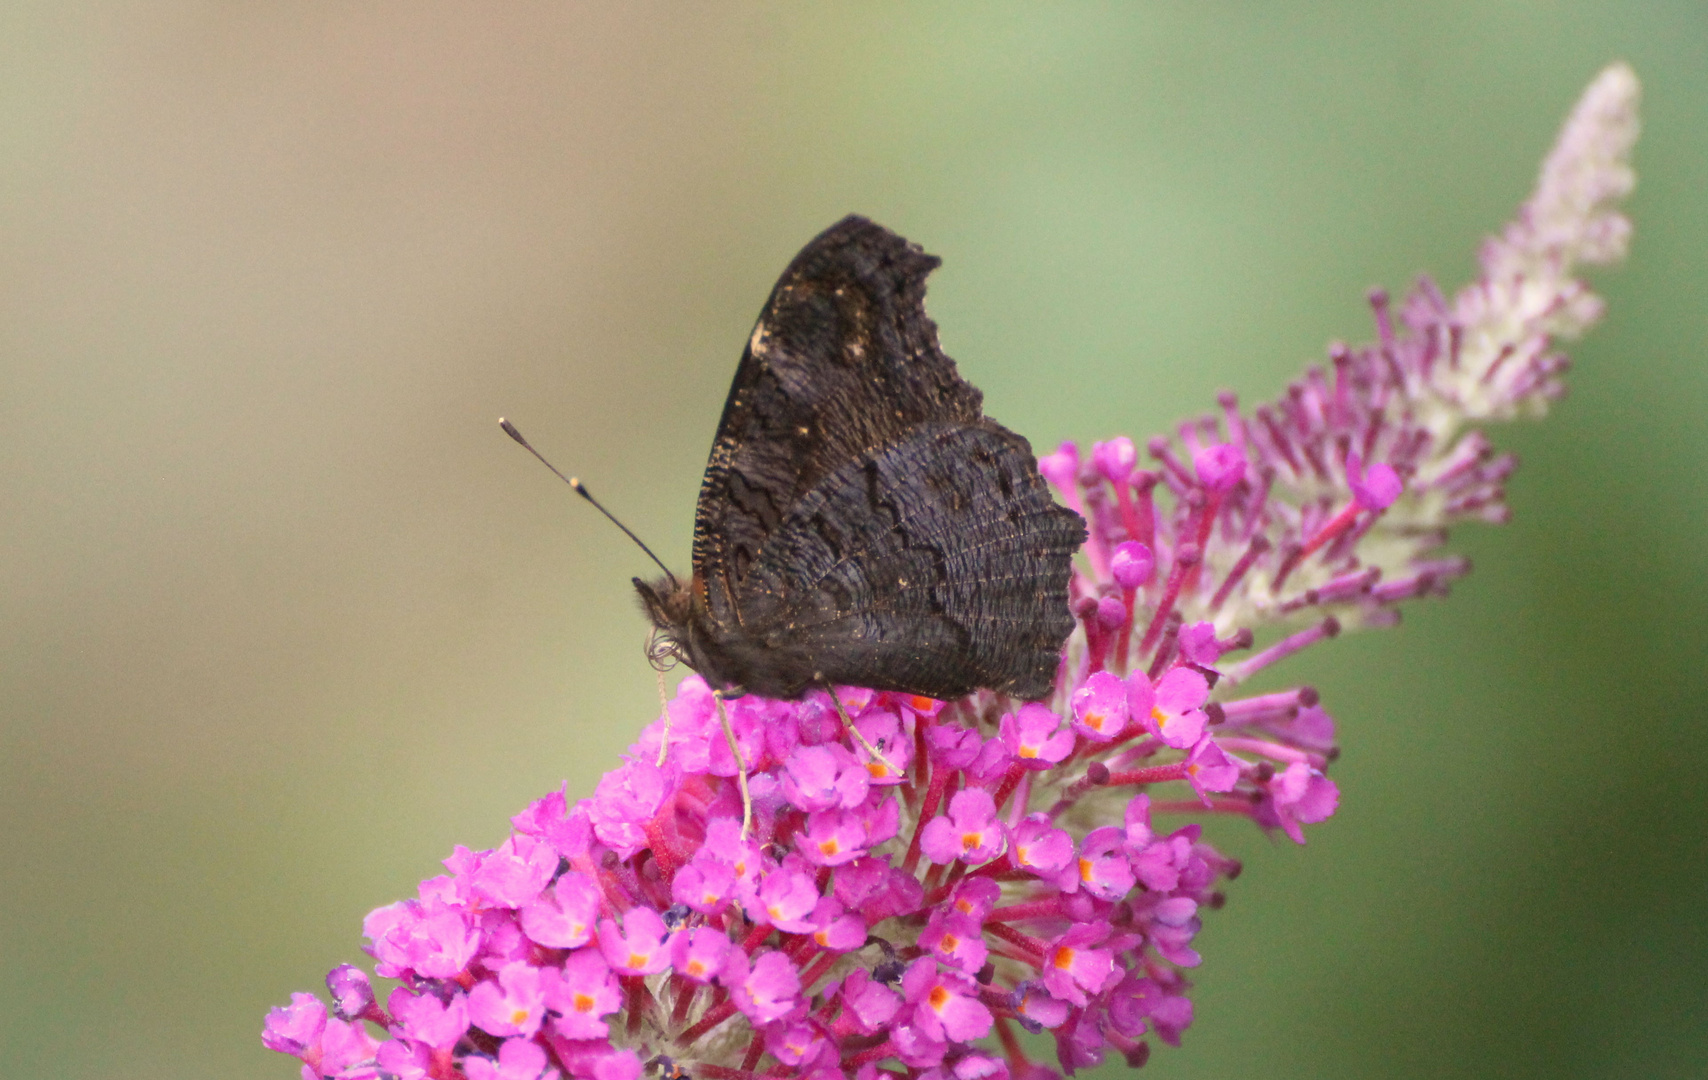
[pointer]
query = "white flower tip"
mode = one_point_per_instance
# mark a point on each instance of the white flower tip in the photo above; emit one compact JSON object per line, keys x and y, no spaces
{"x":1589,"y":170}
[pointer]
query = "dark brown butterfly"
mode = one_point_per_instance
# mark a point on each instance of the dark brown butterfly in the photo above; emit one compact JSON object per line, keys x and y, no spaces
{"x":862,"y":522}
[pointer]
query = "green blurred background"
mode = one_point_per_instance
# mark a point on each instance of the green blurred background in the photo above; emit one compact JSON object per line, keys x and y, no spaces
{"x":285,"y":616}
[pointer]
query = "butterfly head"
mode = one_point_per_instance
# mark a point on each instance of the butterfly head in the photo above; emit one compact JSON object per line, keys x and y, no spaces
{"x":683,"y":632}
{"x":670,"y":605}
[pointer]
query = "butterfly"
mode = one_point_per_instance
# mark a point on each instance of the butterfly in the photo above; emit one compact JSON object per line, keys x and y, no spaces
{"x":861,"y":521}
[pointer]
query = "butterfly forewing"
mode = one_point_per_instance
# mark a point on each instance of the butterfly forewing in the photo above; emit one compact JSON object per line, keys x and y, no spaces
{"x":843,"y":361}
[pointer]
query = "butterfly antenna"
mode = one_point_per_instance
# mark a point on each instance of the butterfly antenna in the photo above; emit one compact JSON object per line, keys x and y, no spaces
{"x":581,"y":490}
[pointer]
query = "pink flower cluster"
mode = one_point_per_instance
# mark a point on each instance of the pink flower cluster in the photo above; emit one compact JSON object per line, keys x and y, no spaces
{"x":916,"y":894}
{"x":885,"y":912}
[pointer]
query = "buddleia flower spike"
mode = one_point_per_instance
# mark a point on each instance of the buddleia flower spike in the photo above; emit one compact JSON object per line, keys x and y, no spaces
{"x":1006,"y":868}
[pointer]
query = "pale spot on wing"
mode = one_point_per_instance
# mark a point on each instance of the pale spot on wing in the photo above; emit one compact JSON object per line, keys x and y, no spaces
{"x":757,"y":343}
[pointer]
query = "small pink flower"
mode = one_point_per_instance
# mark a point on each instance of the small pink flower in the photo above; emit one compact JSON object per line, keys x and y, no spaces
{"x":433,"y":941}
{"x":582,"y":994}
{"x":955,"y":939}
{"x":1034,"y":735}
{"x":800,"y":1046}
{"x":294,"y":1028}
{"x":1299,"y":795}
{"x":566,"y":914}
{"x":637,"y":947}
{"x":832,"y":838}
{"x":513,"y":1004}
{"x":824,"y":777}
{"x":1171,"y":709}
{"x":514,"y":873}
{"x":946,"y":1004}
{"x":870,"y":1005}
{"x":1037,"y":1007}
{"x":785,"y":899}
{"x":404,"y":1059}
{"x":427,"y":1019}
{"x":1198,"y":644}
{"x":1043,"y":849}
{"x":1209,"y":769}
{"x":1103,"y":868}
{"x":700,"y":953}
{"x":705,"y":884}
{"x":969,"y":833}
{"x":881,"y":729}
{"x":343,"y":1045}
{"x":765,"y":989}
{"x":835,"y":928}
{"x":1100,"y":707}
{"x":1073,"y":967}
{"x":518,"y":1059}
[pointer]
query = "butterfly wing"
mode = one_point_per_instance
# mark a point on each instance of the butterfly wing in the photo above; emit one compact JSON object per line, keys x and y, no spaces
{"x":935,"y":566}
{"x":861,"y":520}
{"x":843,"y":361}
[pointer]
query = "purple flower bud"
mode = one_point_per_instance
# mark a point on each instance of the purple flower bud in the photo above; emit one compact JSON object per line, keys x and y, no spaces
{"x":1220,"y":467}
{"x":1115,"y":459}
{"x":1062,"y":467}
{"x":352,"y":994}
{"x":1132,"y":564}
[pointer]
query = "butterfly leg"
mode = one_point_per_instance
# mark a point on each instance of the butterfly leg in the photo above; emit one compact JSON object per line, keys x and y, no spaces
{"x":877,"y":755}
{"x":740,"y":765}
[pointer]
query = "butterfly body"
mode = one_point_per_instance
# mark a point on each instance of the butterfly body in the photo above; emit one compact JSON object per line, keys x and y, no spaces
{"x":862,"y":522}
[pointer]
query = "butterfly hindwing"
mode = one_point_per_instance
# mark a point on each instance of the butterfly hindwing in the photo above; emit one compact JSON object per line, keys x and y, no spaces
{"x":936,"y":566}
